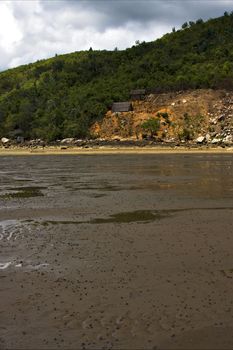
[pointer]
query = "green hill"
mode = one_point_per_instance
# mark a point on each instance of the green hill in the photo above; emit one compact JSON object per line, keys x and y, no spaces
{"x":62,"y":96}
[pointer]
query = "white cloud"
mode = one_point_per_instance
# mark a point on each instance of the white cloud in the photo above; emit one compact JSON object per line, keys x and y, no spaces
{"x":10,"y":33}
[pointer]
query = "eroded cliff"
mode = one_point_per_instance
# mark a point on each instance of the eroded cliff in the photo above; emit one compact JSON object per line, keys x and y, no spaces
{"x":197,"y":115}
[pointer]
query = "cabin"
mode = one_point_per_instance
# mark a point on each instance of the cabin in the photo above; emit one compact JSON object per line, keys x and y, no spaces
{"x":122,"y":107}
{"x":138,"y":94}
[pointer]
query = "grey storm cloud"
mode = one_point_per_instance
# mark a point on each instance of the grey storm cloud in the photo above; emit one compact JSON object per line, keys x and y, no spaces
{"x":116,"y":13}
{"x":36,"y":29}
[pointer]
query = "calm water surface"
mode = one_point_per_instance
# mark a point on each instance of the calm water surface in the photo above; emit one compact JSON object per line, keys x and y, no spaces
{"x":115,"y":182}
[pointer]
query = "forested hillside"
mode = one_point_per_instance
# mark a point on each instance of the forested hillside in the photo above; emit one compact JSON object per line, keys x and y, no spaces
{"x":62,"y":96}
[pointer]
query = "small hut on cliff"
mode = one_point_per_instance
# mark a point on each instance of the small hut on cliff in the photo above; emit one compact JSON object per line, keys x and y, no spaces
{"x":122,"y":107}
{"x":138,"y":94}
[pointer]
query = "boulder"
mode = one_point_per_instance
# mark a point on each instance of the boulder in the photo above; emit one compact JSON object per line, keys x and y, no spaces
{"x":221,"y":117}
{"x":5,"y":140}
{"x":215,"y":141}
{"x":36,"y":142}
{"x":19,"y":139}
{"x":213,"y":121}
{"x":228,"y":140}
{"x":200,"y":139}
{"x":79,"y":142}
{"x":207,"y":137}
{"x":169,"y":140}
{"x":116,"y":138}
{"x":67,"y":140}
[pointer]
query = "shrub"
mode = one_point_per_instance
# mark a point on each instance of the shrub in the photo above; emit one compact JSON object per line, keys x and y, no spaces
{"x":152,"y":126}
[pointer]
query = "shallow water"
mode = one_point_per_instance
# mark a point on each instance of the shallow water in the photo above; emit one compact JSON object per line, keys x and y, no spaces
{"x":116,"y":251}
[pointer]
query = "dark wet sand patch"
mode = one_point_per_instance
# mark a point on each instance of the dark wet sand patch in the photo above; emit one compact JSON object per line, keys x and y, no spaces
{"x":96,"y":195}
{"x":144,"y":215}
{"x":133,"y":216}
{"x":22,"y":192}
{"x":26,"y":188}
{"x":23,"y":180}
{"x":137,"y":216}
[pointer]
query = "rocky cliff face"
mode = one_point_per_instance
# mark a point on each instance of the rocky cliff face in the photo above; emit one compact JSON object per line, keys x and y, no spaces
{"x":199,"y":116}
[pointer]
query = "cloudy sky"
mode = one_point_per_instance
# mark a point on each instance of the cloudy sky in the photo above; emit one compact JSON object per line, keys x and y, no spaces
{"x":36,"y":29}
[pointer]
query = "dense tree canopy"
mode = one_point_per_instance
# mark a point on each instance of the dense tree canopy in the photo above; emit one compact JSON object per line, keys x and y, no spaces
{"x":61,"y":97}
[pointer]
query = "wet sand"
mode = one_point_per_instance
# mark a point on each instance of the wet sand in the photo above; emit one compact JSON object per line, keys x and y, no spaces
{"x":116,"y":251}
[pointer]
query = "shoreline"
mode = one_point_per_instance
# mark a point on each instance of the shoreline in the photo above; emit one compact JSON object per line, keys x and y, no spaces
{"x":112,"y":150}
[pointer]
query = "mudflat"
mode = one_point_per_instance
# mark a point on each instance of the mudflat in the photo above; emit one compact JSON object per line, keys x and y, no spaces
{"x":123,"y":251}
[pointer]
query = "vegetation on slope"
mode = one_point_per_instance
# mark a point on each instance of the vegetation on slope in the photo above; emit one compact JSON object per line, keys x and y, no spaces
{"x":62,"y":96}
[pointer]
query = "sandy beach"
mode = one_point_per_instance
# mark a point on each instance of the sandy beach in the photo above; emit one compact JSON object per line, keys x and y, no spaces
{"x":53,"y":150}
{"x":128,"y":251}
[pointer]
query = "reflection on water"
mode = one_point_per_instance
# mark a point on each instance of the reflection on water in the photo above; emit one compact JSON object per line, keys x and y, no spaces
{"x":98,"y":177}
